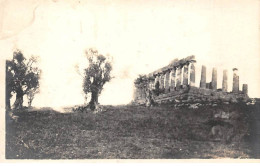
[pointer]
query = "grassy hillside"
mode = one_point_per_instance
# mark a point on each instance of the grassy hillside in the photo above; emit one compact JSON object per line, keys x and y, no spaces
{"x":130,"y":131}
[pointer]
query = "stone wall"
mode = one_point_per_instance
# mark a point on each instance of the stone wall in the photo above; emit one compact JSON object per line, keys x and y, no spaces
{"x":169,"y":79}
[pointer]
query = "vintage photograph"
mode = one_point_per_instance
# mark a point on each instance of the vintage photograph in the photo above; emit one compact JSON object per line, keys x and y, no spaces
{"x":130,"y":79}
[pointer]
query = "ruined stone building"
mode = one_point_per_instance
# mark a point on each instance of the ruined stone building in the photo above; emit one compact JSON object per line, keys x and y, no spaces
{"x":176,"y":82}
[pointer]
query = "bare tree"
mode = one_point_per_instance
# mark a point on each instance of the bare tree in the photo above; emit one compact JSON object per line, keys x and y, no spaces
{"x":31,"y":94}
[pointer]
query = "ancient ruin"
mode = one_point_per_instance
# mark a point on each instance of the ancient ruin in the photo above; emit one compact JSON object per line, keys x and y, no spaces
{"x":176,"y":82}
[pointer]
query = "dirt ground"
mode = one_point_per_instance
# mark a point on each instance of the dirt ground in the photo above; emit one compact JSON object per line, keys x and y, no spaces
{"x":134,"y":132}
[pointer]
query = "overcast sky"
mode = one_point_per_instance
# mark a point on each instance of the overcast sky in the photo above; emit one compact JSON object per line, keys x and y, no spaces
{"x":141,"y":36}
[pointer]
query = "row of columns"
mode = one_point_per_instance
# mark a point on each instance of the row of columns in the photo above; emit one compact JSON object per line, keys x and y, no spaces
{"x":213,"y":83}
{"x":171,"y":79}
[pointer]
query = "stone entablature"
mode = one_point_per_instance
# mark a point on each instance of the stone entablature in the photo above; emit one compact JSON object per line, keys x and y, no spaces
{"x":177,"y":85}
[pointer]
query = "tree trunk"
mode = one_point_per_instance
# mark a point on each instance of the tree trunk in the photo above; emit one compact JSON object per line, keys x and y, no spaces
{"x":18,"y":104}
{"x":94,"y":100}
{"x":30,"y":102}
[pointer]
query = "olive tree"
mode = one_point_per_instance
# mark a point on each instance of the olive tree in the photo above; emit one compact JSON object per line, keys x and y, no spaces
{"x":22,"y":78}
{"x":96,"y":75}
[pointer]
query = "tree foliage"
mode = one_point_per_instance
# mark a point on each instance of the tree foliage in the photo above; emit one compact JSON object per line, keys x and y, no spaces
{"x":96,"y":75}
{"x":22,"y":78}
{"x":141,"y":82}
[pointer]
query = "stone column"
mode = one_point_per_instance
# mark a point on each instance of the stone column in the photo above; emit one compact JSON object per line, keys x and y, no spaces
{"x":224,"y":82}
{"x":161,"y":80}
{"x":166,"y":83}
{"x":192,"y":75}
{"x":149,"y":84}
{"x":186,"y":74}
{"x":235,"y":81}
{"x":172,"y":86}
{"x":214,"y":79}
{"x":203,"y":77}
{"x":245,"y":89}
{"x":178,"y":77}
{"x":156,"y":79}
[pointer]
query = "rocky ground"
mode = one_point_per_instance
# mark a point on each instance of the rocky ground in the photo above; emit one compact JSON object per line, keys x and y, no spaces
{"x":123,"y":132}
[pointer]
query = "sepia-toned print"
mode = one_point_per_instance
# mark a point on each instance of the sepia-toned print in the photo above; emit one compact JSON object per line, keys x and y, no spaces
{"x":130,"y":79}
